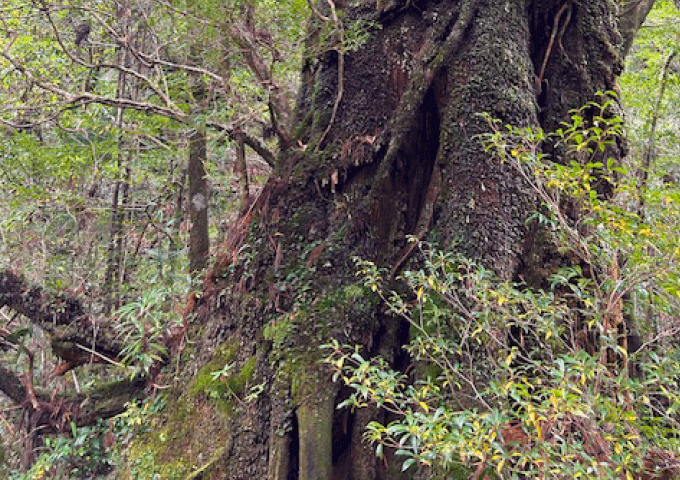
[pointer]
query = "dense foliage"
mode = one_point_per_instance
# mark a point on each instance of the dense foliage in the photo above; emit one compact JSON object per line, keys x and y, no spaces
{"x":563,"y":395}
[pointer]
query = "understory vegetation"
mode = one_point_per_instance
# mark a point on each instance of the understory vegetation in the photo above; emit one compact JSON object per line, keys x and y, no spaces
{"x":515,"y":378}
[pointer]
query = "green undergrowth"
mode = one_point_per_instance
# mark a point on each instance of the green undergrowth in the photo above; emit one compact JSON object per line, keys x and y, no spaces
{"x":534,"y":378}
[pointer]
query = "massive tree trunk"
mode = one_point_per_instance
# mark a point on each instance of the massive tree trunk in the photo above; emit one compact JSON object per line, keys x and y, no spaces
{"x":385,"y":147}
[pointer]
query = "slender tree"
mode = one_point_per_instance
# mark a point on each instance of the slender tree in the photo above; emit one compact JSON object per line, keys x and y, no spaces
{"x":199,"y":238}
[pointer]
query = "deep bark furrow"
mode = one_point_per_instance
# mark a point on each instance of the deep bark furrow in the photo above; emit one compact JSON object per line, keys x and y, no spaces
{"x":434,"y":58}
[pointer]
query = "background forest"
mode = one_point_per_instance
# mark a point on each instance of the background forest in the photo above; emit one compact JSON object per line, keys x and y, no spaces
{"x":124,"y":124}
{"x":135,"y":132}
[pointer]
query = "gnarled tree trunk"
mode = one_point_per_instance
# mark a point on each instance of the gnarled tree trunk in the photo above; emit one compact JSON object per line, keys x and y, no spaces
{"x":385,"y":147}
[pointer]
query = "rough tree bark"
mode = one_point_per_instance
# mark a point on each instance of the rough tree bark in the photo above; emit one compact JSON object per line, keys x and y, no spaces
{"x":384,"y":147}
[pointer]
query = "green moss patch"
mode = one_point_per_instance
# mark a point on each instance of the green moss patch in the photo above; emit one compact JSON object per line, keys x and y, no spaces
{"x":186,"y":437}
{"x":193,"y":432}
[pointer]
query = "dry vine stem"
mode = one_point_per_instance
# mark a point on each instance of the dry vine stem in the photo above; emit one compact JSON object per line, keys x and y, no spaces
{"x":538,"y":87}
{"x":341,"y":70}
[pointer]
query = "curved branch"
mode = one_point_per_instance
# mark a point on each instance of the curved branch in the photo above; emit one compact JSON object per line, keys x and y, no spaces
{"x":259,"y":147}
{"x":52,"y":313}
{"x":631,"y":19}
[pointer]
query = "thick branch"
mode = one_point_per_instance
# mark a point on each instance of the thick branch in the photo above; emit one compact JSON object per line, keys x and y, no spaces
{"x":259,"y":147}
{"x":36,"y":304}
{"x":631,"y":18}
{"x":71,"y":330}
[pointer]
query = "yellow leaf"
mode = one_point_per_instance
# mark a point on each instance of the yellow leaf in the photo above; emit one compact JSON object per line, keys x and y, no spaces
{"x":424,"y":406}
{"x":508,"y":359}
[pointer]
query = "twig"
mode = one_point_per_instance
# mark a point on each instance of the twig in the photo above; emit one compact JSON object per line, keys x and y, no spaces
{"x":99,"y":355}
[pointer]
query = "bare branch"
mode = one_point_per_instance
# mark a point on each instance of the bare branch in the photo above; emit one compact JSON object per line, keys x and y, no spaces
{"x":631,"y":18}
{"x":281,"y":111}
{"x":126,"y":44}
{"x":259,"y":147}
{"x":84,"y":98}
